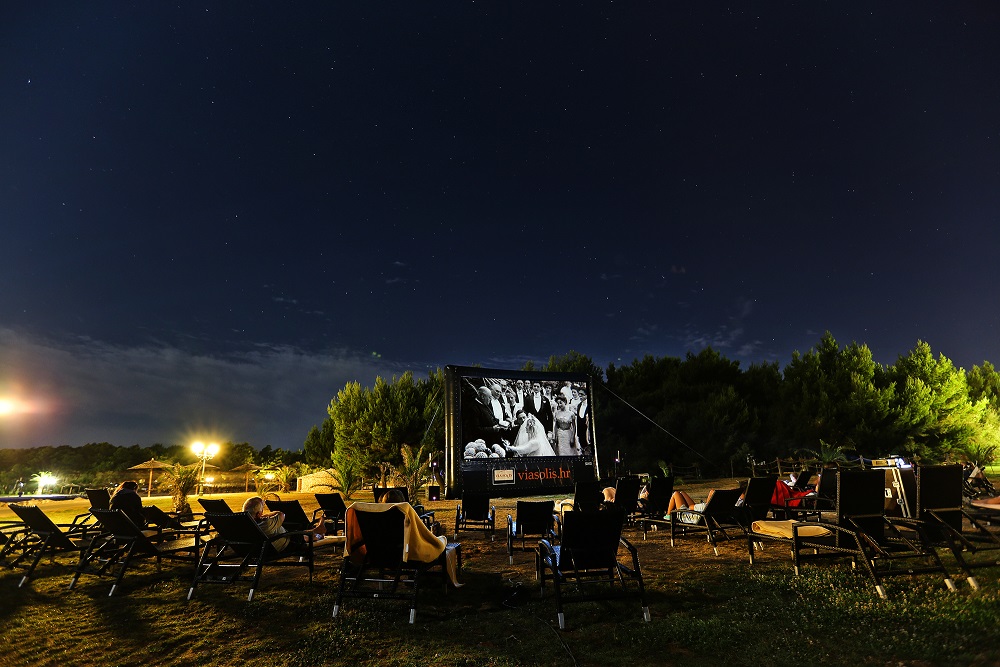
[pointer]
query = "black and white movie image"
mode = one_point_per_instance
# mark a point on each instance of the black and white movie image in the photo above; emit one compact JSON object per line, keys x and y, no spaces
{"x":513,"y":418}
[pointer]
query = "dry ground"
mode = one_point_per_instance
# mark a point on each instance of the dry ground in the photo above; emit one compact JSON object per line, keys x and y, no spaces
{"x":706,"y":609}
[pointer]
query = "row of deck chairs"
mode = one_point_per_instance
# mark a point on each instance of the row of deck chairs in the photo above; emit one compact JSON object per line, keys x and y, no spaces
{"x":847,"y":519}
{"x":225,"y":546}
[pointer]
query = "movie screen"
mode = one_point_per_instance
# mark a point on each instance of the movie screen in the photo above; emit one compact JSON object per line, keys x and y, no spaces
{"x":517,"y":427}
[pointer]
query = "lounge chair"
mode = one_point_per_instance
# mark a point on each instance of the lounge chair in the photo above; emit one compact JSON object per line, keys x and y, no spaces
{"x":627,"y":496}
{"x":388,"y":552}
{"x":215,"y":506}
{"x":124,"y":542}
{"x":295,"y":517}
{"x":99,"y":498}
{"x":757,"y":498}
{"x":41,"y":536}
{"x":334,"y":511}
{"x":717,"y":520}
{"x":938,"y":503}
{"x":476,"y":513}
{"x":588,"y":559}
{"x":532,"y":518}
{"x":860,"y":532}
{"x":657,"y":499}
{"x":240,"y":551}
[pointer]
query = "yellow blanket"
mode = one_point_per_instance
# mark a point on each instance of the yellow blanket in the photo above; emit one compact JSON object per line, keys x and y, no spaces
{"x":419,"y":543}
{"x":784,"y":529}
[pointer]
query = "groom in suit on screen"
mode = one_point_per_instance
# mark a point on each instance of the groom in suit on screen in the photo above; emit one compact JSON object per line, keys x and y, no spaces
{"x":537,"y":404}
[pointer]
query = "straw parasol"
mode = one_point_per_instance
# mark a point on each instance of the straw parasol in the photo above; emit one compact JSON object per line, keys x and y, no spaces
{"x":151,"y":465}
{"x":246,"y":468}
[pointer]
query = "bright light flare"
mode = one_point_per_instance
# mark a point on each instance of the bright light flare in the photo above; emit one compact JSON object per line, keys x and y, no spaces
{"x":12,"y":407}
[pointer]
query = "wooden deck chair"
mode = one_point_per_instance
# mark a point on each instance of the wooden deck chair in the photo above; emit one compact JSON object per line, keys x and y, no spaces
{"x":240,"y":551}
{"x":588,"y":559}
{"x":475,"y":512}
{"x":532,"y":518}
{"x":377,"y":563}
{"x":938,"y":502}
{"x":334,"y":511}
{"x":42,"y":536}
{"x":123,"y":543}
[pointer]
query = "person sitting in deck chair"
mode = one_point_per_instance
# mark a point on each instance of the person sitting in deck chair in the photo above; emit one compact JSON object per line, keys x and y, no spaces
{"x":682,"y":501}
{"x":270,"y":522}
{"x":126,"y":498}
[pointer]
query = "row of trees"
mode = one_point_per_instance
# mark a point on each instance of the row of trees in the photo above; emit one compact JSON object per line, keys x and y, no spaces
{"x":706,"y":410}
{"x":703,"y":409}
{"x":103,"y":464}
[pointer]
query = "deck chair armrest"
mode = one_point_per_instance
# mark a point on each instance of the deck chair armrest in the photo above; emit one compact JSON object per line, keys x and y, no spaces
{"x":798,"y":539}
{"x":546,"y":551}
{"x":510,"y":522}
{"x":634,"y":553}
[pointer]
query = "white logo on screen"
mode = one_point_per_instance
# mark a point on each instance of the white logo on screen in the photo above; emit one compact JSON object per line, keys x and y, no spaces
{"x":503,"y":476}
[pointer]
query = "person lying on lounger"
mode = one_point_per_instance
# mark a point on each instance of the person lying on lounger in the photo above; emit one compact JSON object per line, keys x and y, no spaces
{"x":270,"y":522}
{"x":682,"y":501}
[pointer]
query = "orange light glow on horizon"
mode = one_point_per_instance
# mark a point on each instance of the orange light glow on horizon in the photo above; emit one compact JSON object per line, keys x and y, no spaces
{"x":15,"y":406}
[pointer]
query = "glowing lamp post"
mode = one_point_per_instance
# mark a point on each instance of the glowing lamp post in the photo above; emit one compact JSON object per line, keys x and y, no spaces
{"x":204,"y":452}
{"x":45,"y":481}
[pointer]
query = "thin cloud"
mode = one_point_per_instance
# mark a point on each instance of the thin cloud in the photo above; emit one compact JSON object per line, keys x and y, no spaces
{"x":93,"y":391}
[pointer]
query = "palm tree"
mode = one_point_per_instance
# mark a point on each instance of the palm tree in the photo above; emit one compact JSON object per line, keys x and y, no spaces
{"x":41,"y":479}
{"x":181,"y":482}
{"x":829,"y":455}
{"x":415,"y":468}
{"x":345,"y":474}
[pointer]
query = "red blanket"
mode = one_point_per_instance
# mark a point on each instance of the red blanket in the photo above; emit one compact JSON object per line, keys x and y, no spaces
{"x":783,"y":492}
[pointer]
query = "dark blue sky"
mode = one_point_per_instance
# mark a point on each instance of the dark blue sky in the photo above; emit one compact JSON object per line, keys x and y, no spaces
{"x":216,"y":215}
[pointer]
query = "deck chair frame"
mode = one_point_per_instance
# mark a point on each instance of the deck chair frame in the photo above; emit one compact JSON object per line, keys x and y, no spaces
{"x":531,"y":519}
{"x":862,"y":534}
{"x":123,"y":543}
{"x":588,"y":560}
{"x":240,"y":551}
{"x":295,"y":516}
{"x":41,"y":536}
{"x":334,"y":510}
{"x":475,"y":512}
{"x":215,"y":506}
{"x":938,"y":502}
{"x":374,"y":567}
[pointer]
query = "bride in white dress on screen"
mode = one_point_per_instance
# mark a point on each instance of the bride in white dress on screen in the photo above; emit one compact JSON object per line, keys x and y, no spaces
{"x":531,"y":440}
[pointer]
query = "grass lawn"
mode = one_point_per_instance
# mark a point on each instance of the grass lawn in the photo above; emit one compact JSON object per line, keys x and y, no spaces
{"x":707,"y":610}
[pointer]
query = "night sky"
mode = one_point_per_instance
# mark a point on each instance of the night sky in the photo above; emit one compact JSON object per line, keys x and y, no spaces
{"x":214,"y":216}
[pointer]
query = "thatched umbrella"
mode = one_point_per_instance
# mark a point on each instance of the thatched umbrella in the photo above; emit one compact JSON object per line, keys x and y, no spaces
{"x":151,"y":465}
{"x":246,"y":468}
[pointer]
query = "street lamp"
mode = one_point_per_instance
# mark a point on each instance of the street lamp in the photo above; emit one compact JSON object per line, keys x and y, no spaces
{"x":204,"y":452}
